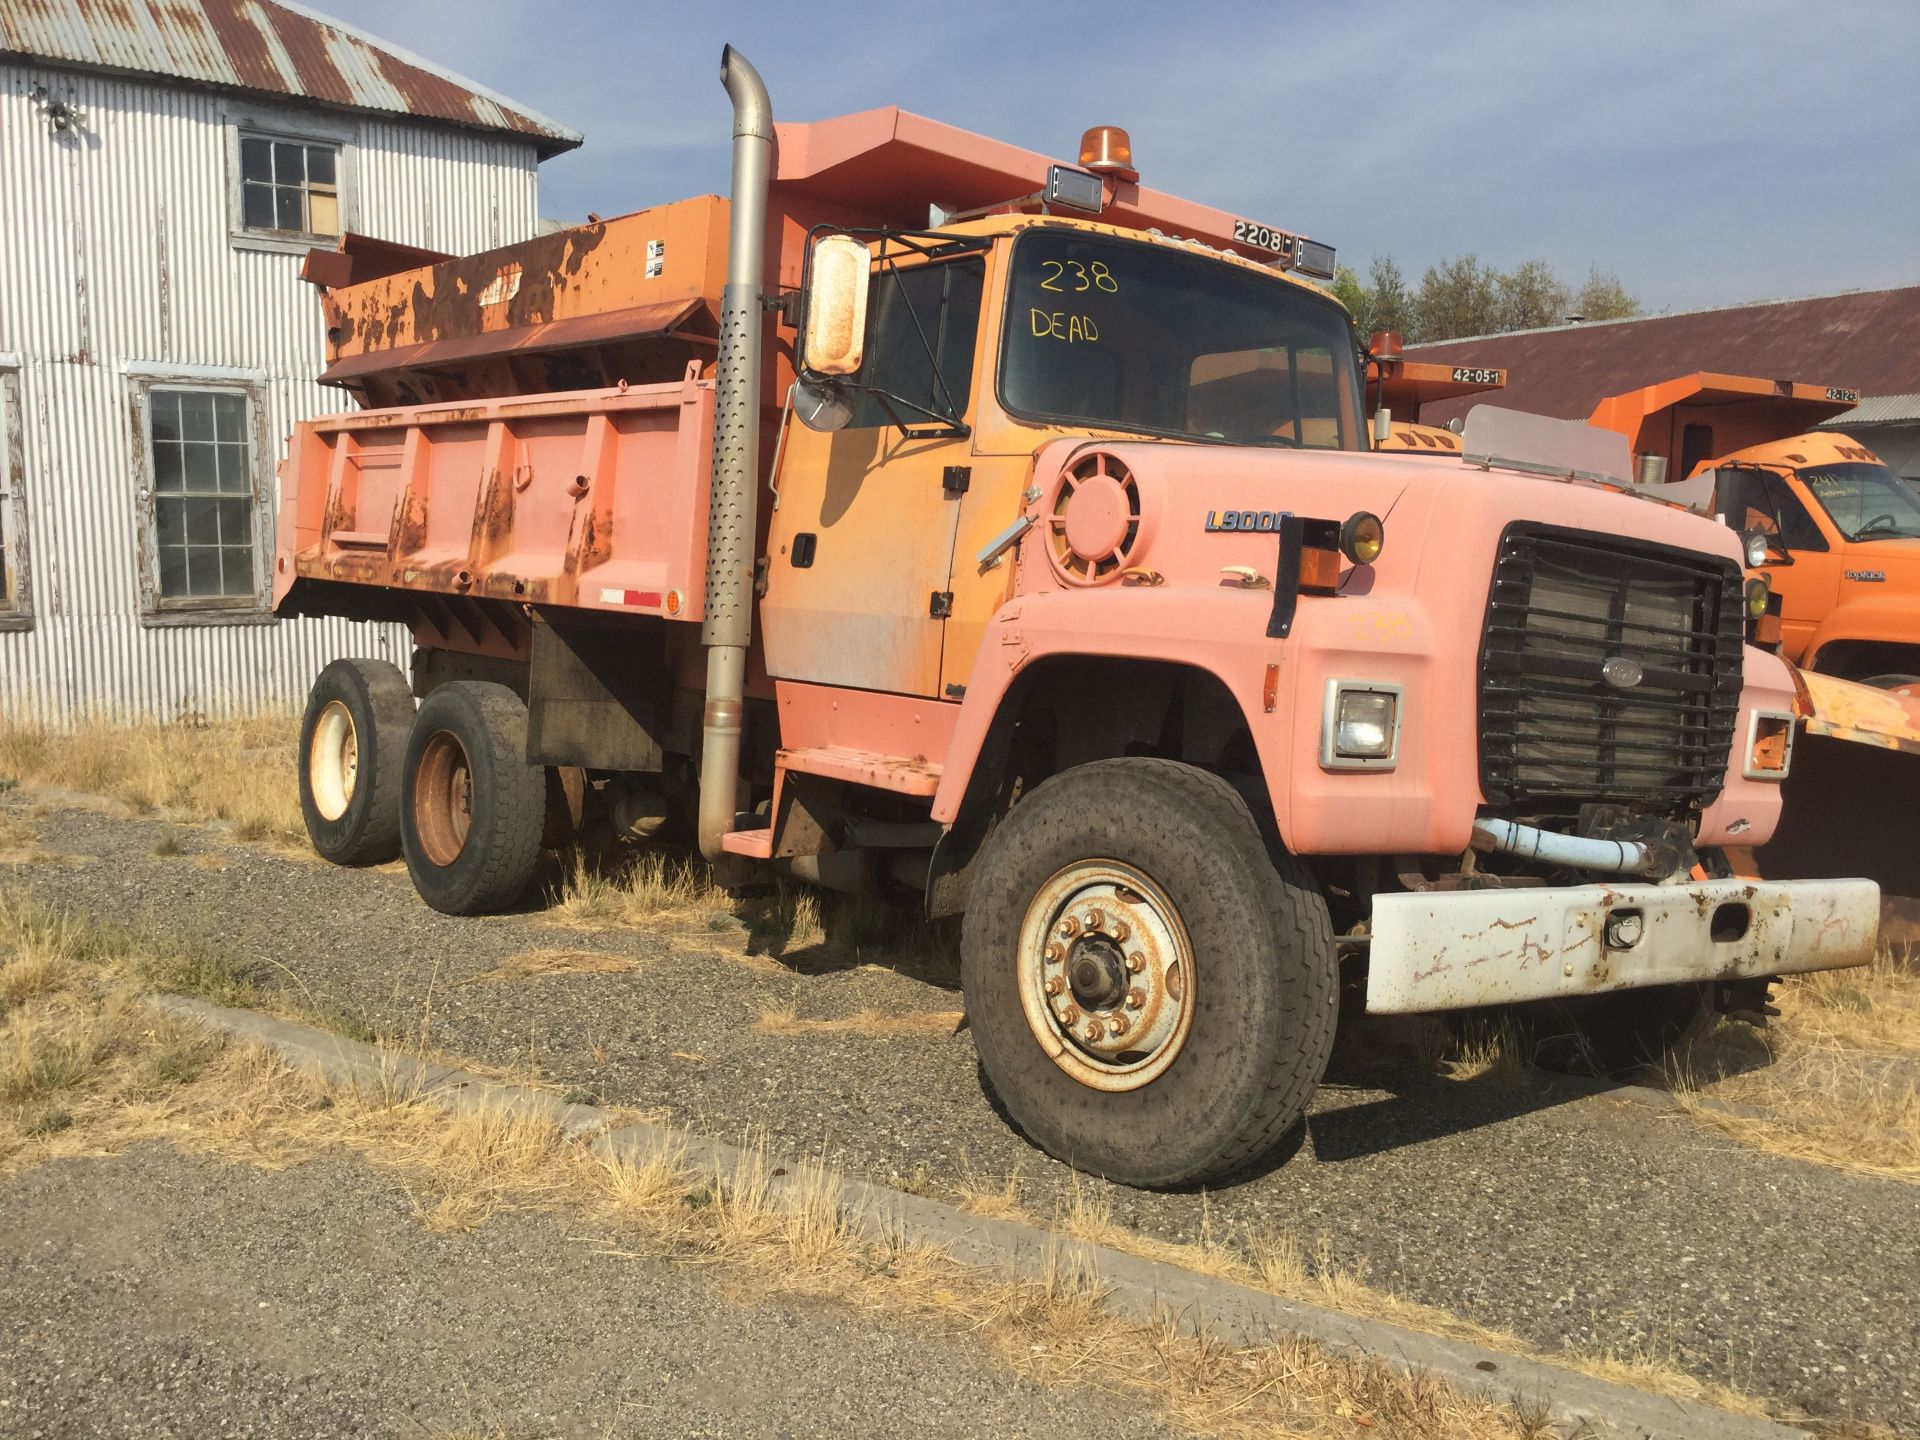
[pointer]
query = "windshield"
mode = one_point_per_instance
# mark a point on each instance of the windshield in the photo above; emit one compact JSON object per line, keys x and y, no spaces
{"x":1130,"y":336}
{"x":1866,"y":501}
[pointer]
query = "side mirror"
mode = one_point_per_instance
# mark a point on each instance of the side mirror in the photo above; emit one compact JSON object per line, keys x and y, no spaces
{"x":836,"y":333}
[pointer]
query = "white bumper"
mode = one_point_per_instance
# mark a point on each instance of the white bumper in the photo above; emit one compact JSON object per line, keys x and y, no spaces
{"x":1453,"y":950}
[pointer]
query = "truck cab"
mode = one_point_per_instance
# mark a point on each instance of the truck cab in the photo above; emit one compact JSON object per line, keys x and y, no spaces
{"x":1833,"y":531}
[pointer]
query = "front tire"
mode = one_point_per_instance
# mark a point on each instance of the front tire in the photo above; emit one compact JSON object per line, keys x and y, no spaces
{"x":473,"y":808}
{"x":1151,"y":993}
{"x":353,"y":745}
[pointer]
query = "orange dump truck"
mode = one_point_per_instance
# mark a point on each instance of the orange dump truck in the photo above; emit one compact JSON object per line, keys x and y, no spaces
{"x":1833,"y":530}
{"x":1836,"y":535}
{"x":933,"y":518}
{"x":1397,"y":387}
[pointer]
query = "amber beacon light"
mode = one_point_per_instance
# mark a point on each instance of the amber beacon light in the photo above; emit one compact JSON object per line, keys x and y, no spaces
{"x":1108,"y":150}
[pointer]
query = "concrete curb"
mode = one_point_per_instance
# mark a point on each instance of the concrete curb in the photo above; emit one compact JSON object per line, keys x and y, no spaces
{"x":1134,"y":1288}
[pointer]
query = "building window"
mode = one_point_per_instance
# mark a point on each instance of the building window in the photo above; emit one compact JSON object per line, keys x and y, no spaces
{"x":289,"y":189}
{"x":16,"y":608}
{"x":204,"y":500}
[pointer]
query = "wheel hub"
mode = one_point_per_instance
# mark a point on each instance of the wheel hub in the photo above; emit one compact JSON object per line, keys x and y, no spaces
{"x":1105,"y":973}
{"x":1097,"y":972}
{"x":333,"y":761}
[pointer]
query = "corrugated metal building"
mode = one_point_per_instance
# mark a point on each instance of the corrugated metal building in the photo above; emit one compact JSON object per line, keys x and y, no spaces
{"x":164,"y":164}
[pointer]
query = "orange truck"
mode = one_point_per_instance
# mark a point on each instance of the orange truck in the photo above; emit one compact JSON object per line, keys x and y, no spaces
{"x":1397,"y":387}
{"x":1836,"y":535}
{"x":1831,"y":528}
{"x":932,"y":518}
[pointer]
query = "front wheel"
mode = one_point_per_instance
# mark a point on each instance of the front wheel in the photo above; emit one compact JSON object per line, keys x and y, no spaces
{"x":1151,"y":994}
{"x":473,"y":809}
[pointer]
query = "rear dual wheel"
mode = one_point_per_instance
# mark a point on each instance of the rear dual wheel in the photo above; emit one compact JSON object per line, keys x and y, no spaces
{"x":473,"y":810}
{"x":1151,"y":992}
{"x":353,"y":742}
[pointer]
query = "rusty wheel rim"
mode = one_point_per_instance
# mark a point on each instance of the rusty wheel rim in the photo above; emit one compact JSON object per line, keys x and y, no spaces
{"x":443,"y":798}
{"x":1106,"y":975}
{"x":333,"y":760}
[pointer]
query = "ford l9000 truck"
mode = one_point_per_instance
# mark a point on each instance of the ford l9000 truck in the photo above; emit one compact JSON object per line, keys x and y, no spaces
{"x":933,"y":517}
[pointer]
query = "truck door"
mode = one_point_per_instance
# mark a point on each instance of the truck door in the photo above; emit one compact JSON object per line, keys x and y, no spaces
{"x":1803,"y":566}
{"x":861,"y":544}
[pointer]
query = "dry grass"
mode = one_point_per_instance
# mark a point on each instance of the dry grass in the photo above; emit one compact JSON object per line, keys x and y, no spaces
{"x":239,"y":771}
{"x":84,"y":1070}
{"x":645,"y":888}
{"x":867,"y":1022}
{"x":20,"y":843}
{"x":1835,"y":1079}
{"x":533,"y":964}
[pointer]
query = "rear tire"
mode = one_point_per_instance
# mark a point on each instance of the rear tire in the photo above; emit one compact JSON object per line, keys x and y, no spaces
{"x":353,"y":747}
{"x":1215,"y":959}
{"x":473,"y":808}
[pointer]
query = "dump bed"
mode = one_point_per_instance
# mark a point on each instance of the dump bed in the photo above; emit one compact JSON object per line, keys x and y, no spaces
{"x":468,"y":511}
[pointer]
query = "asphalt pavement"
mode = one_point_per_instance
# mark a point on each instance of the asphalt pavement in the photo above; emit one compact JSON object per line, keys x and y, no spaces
{"x":1579,"y":1222}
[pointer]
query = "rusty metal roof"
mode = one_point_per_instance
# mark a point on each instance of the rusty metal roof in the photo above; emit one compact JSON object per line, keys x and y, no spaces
{"x":1865,"y":340}
{"x":268,"y":47}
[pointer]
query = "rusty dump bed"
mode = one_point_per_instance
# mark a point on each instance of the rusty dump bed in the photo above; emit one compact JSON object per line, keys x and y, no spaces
{"x":637,"y":297}
{"x":466,"y":512}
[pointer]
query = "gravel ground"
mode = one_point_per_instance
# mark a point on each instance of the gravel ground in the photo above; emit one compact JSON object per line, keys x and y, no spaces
{"x":1577,"y":1221}
{"x":163,"y":1294}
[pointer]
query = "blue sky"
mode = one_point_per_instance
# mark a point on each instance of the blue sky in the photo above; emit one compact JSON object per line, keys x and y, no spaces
{"x":1708,"y":152}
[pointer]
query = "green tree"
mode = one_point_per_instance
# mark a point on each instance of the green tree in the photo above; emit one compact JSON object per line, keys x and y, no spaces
{"x":1392,"y":306}
{"x":1531,"y":295}
{"x":1457,"y":297}
{"x":1348,"y":290}
{"x":1603,"y":297}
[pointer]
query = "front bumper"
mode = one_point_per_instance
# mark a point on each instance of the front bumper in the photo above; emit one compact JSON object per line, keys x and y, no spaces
{"x":1454,"y":950}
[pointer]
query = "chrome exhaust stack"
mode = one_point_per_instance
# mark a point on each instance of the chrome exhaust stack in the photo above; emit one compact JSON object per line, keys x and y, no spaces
{"x":728,"y":625}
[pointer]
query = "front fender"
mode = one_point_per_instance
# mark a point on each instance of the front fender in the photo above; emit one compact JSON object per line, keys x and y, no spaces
{"x":1869,"y":614}
{"x":1423,"y":805}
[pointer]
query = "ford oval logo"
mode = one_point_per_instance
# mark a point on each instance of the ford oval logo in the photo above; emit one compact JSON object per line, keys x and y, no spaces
{"x":1622,"y":672}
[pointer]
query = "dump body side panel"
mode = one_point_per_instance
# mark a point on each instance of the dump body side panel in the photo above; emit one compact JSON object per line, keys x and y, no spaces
{"x":595,"y":499}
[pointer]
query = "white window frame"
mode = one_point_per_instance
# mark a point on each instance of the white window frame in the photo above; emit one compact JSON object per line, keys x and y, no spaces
{"x":16,"y":592}
{"x":257,"y":124}
{"x":160,"y":611}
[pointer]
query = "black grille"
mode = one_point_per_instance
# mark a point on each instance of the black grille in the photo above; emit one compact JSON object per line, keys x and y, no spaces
{"x":1554,"y":732}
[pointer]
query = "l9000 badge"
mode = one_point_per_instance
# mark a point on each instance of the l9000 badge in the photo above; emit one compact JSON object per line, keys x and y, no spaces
{"x":1267,"y":520}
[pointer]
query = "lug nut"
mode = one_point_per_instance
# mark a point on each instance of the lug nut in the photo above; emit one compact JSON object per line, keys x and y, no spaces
{"x":1136,"y":962}
{"x":1093,"y":1031}
{"x":1120,"y":930}
{"x":1095,"y":919}
{"x":1117,"y":1026}
{"x":1055,"y":985}
{"x":1136,"y":997}
{"x":1069,"y":928}
{"x":1056,"y":952}
{"x":1070,"y":1015}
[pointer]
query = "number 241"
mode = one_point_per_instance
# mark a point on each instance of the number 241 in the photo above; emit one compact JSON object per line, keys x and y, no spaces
{"x":1087,"y":277}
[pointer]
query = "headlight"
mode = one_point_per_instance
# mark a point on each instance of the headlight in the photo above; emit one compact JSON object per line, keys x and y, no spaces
{"x":1360,"y":725}
{"x":1756,"y":599}
{"x":1756,"y":549}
